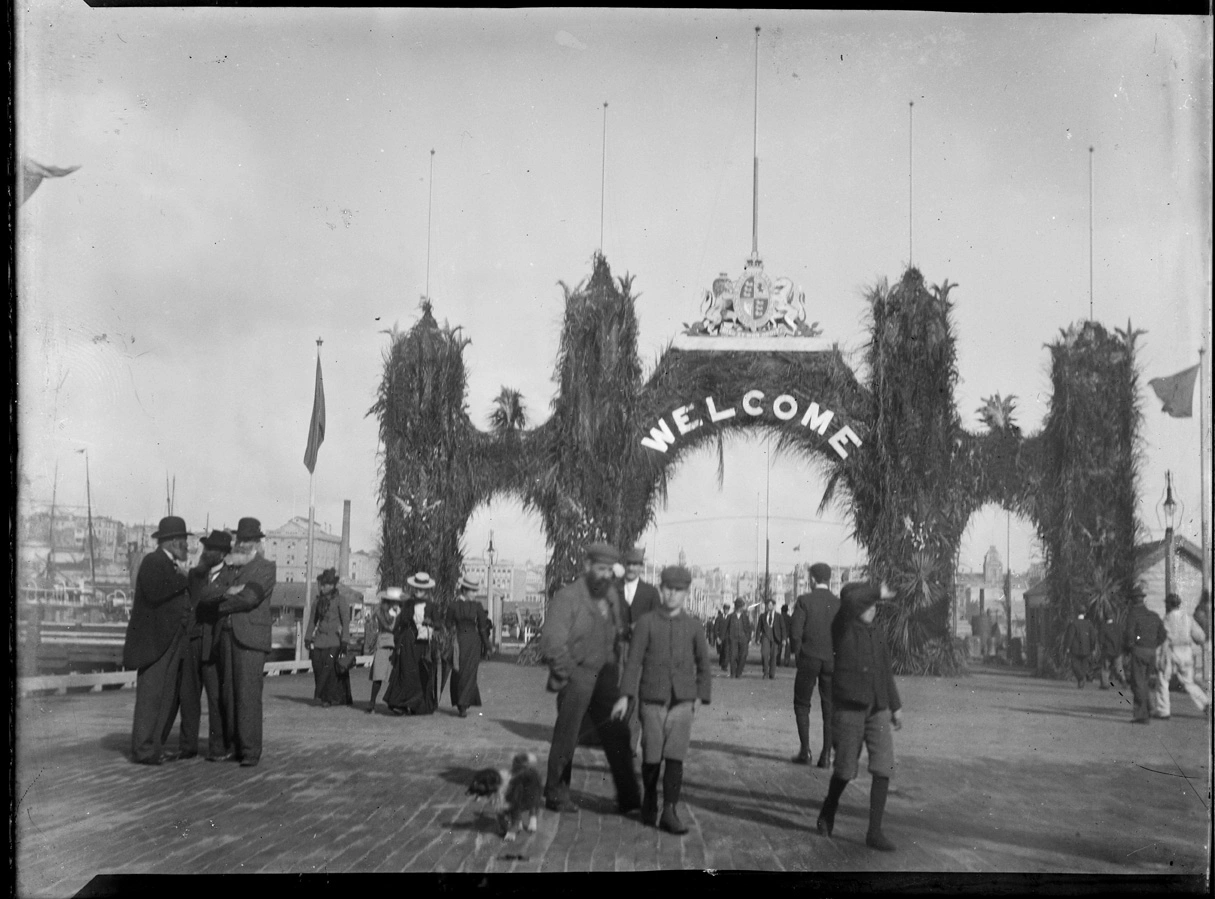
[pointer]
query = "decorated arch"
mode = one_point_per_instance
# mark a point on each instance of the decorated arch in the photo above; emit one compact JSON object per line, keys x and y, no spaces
{"x":892,"y":448}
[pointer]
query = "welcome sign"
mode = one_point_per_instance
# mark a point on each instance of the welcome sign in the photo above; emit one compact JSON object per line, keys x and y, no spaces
{"x":784,"y":408}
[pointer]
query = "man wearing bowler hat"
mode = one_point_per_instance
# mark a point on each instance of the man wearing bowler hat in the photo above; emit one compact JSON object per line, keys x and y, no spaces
{"x":812,"y":649}
{"x":155,"y":640}
{"x":244,"y":639}
{"x":198,"y":670}
{"x":579,"y":641}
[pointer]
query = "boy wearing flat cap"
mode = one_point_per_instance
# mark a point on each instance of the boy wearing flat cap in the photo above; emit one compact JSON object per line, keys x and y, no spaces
{"x":865,"y":705}
{"x":667,"y":672}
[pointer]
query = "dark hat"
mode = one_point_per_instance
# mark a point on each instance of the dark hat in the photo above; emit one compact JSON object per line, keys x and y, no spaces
{"x":328,"y":576}
{"x":859,"y":597}
{"x":248,"y":529}
{"x":170,"y":526}
{"x":602,"y":552}
{"x":821,"y":572}
{"x":634,"y":556}
{"x":740,"y":603}
{"x":1172,"y":601}
{"x":218,"y":540}
{"x":676,"y":578}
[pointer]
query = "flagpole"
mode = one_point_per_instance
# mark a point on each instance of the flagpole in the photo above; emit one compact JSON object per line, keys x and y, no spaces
{"x":429,"y":206}
{"x":910,"y":178}
{"x":1202,"y":466}
{"x":1090,"y":233}
{"x":755,"y":157}
{"x":603,"y":178}
{"x":299,"y":637}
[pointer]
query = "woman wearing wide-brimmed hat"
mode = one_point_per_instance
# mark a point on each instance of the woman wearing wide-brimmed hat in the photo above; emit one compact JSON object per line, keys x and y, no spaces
{"x":413,"y":686}
{"x":381,"y":639}
{"x":327,"y":637}
{"x":468,"y":618}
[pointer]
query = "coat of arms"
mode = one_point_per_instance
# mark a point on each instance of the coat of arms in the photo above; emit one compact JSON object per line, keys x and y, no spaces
{"x":753,"y":306}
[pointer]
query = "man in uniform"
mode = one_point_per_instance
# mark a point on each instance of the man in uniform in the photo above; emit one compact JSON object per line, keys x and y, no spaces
{"x":579,"y":642}
{"x":1141,"y":636}
{"x":244,"y":641}
{"x":771,"y":633}
{"x":811,"y":635}
{"x":155,"y":640}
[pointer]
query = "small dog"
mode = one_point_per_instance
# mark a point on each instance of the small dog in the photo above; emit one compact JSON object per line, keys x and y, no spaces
{"x":517,"y":794}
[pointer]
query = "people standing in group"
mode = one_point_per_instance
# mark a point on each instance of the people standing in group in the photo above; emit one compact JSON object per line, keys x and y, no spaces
{"x":638,"y":597}
{"x":668,"y":671}
{"x":1109,"y":642}
{"x":865,"y":706}
{"x":813,"y":614}
{"x":413,"y":687}
{"x":1177,"y":657}
{"x":579,"y":643}
{"x":200,"y":669}
{"x":770,"y":632}
{"x":1080,"y":643}
{"x":244,"y":636}
{"x":161,"y":614}
{"x":720,"y":627}
{"x":738,"y":638}
{"x":380,"y":639}
{"x":327,"y":639}
{"x":467,"y":618}
{"x":1141,"y":637}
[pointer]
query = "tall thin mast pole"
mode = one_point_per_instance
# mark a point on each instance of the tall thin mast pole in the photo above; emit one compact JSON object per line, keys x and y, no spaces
{"x":767,"y":517}
{"x":429,"y":207}
{"x":299,"y":641}
{"x":603,"y":178}
{"x":88,"y":487}
{"x":1202,"y":468}
{"x":1090,"y":233}
{"x":755,"y":155}
{"x":910,"y":177}
{"x":50,"y":556}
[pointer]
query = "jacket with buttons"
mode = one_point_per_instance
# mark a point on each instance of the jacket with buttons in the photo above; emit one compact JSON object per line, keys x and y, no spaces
{"x":863,"y":673}
{"x":668,"y":660}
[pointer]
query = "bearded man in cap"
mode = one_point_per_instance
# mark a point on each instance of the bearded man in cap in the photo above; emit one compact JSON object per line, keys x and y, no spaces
{"x":812,"y":649}
{"x":199,"y":670}
{"x":243,"y":610}
{"x":579,"y":642}
{"x":155,"y":640}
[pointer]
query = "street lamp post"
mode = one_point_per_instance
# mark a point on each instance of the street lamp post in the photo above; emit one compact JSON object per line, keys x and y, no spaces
{"x":494,"y":608}
{"x":1170,"y":512}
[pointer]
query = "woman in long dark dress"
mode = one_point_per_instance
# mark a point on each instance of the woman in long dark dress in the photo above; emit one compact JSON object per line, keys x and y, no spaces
{"x":413,"y":688}
{"x":327,"y":638}
{"x":471,"y":624}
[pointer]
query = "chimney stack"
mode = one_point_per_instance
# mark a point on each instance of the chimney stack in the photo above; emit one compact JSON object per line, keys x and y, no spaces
{"x":344,"y":552}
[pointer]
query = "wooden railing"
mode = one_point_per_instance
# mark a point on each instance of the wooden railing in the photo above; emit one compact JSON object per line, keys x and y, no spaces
{"x":95,"y":683}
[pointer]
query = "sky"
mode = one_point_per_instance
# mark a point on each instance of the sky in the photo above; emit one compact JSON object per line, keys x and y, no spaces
{"x":252,"y":180}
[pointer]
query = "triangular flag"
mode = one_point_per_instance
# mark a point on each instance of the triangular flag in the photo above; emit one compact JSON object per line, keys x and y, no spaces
{"x":1177,"y":392}
{"x":32,"y":174}
{"x":316,"y":430}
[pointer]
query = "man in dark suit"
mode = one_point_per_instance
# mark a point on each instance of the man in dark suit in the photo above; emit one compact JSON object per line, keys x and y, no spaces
{"x":637,"y":597}
{"x":243,"y":611}
{"x":579,"y":643}
{"x":1142,"y":634}
{"x":771,"y":633}
{"x":738,"y":638}
{"x":155,"y":640}
{"x":811,"y":635}
{"x":719,"y":636}
{"x":198,"y":670}
{"x":785,"y":656}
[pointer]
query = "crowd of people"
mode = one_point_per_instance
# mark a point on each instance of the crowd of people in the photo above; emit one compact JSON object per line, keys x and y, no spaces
{"x":623,"y":655}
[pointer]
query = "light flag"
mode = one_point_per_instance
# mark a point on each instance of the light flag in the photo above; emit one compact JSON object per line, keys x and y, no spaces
{"x":316,"y":430}
{"x":1176,"y":392}
{"x":31,"y":176}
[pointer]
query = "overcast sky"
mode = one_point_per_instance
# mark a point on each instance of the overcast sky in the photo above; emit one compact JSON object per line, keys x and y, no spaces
{"x":253,"y":179}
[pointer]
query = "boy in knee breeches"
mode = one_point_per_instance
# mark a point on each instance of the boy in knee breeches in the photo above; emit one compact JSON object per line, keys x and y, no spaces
{"x":865,"y":707}
{"x":668,"y":672}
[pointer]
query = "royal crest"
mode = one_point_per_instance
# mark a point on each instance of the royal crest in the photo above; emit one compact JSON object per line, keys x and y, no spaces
{"x":752,"y":306}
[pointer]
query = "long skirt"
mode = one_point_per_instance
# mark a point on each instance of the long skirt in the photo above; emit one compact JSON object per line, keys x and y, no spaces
{"x":464,"y":689}
{"x":331,"y":687}
{"x":413,"y":686}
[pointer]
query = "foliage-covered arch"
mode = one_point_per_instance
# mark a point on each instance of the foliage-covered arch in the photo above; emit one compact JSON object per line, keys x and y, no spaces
{"x":598,"y":466}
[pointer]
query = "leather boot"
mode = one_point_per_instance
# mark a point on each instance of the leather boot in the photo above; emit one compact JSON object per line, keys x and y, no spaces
{"x":875,"y":839}
{"x":802,"y":717}
{"x":672,"y":783}
{"x":824,"y":757}
{"x":649,"y":803}
{"x":826,"y":817}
